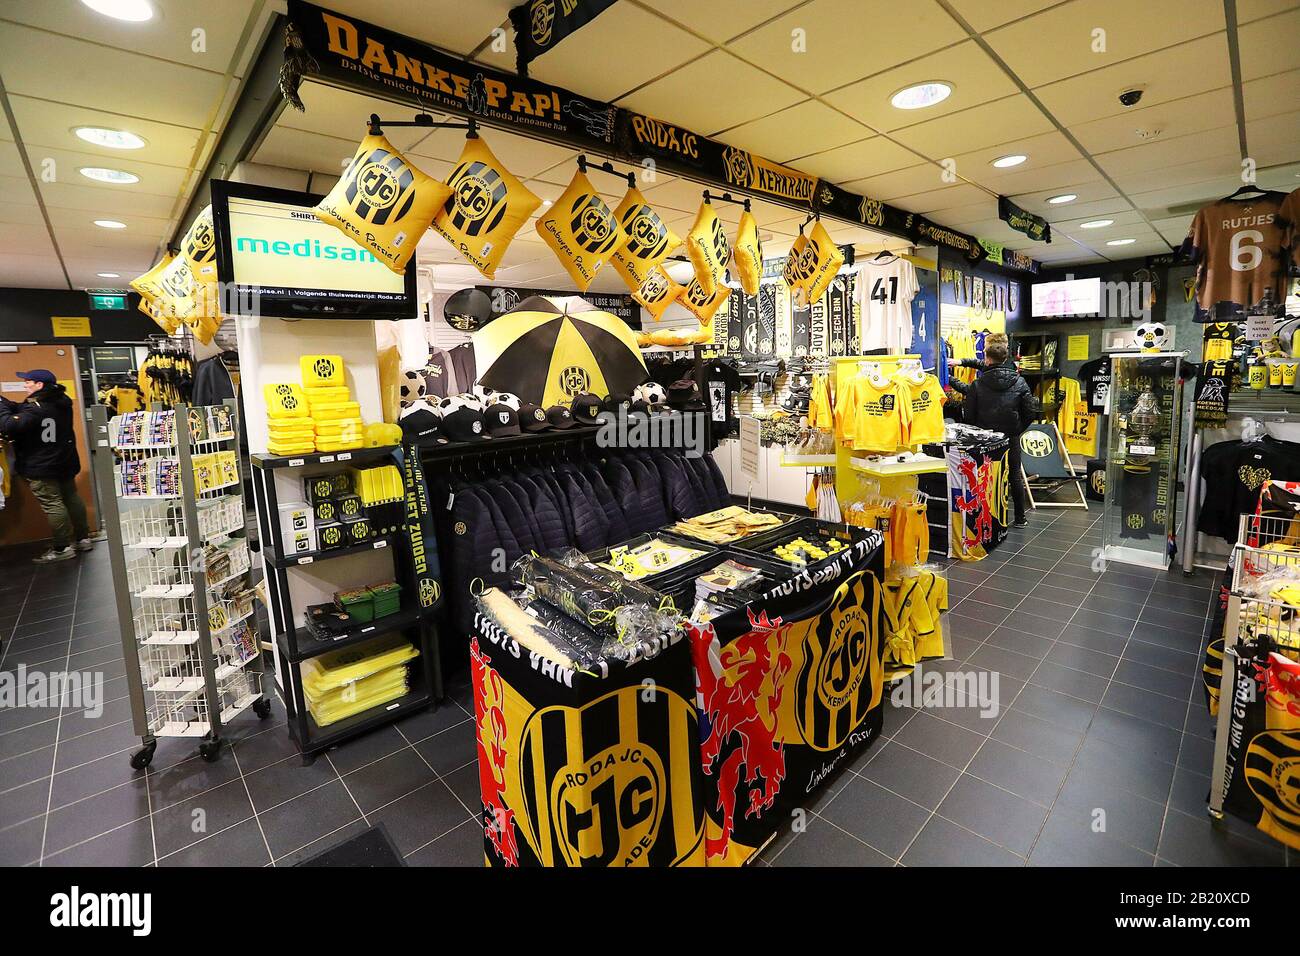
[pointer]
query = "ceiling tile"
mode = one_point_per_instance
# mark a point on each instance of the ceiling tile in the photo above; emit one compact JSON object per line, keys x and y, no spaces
{"x":103,"y":78}
{"x":1224,"y":165}
{"x":720,"y":20}
{"x":1002,"y":121}
{"x":1174,"y":229}
{"x":608,"y":57}
{"x":901,"y":182}
{"x":1248,"y":10}
{"x":958,"y":196}
{"x":1090,"y":192}
{"x":676,"y":98}
{"x":154,"y":180}
{"x":1271,"y":96}
{"x":339,"y":113}
{"x":168,"y":36}
{"x":806,"y":127}
{"x":1157,"y":155}
{"x":974,"y":76}
{"x":1179,"y":71}
{"x":299,"y":149}
{"x":1184,"y":198}
{"x":867,"y":157}
{"x":86,"y":201}
{"x":1059,"y":42}
{"x":982,"y":15}
{"x":451,"y":24}
{"x":45,"y":124}
{"x":1191,"y":114}
{"x":1269,"y":46}
{"x":31,"y":271}
{"x":1274,"y":140}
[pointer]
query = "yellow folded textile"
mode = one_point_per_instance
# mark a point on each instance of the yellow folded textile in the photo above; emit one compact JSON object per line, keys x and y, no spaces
{"x":370,"y":692}
{"x":353,"y":663}
{"x":333,"y":411}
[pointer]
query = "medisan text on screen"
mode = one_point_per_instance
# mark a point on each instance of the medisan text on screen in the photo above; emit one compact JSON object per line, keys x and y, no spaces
{"x":306,"y":248}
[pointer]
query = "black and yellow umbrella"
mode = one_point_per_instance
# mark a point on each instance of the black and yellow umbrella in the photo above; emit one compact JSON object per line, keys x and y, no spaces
{"x":547,"y":353}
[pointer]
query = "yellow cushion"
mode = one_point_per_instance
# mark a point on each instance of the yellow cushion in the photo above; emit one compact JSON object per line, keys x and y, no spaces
{"x":318,"y":370}
{"x":707,"y":246}
{"x":486,"y":208}
{"x":793,"y":273}
{"x":702,"y":305}
{"x":383,"y":203}
{"x":649,"y":240}
{"x":581,"y":230}
{"x":658,"y":292}
{"x":826,"y":259}
{"x":747,"y":254}
{"x":199,"y":247}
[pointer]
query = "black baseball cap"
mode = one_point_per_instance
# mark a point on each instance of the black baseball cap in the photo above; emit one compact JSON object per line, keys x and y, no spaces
{"x":464,"y":424}
{"x":640,"y":405}
{"x":684,"y":395}
{"x":421,"y":425}
{"x":616,"y":400}
{"x":501,"y":420}
{"x":586,"y":408}
{"x":43,"y":375}
{"x":532,"y":418}
{"x":560,"y":417}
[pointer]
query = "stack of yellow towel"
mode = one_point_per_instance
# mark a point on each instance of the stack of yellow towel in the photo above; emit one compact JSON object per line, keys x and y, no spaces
{"x":288,"y":422}
{"x":344,"y":683}
{"x":337,"y":419}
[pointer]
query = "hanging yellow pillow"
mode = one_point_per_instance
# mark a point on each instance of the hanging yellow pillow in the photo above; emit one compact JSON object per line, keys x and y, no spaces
{"x":747,"y":254}
{"x":823,"y":258}
{"x":486,"y":208}
{"x":793,"y":272}
{"x":383,"y":203}
{"x":658,"y":292}
{"x":581,"y":230}
{"x":707,"y":246}
{"x":199,"y":247}
{"x":649,"y":240}
{"x":703,"y":305}
{"x":177,"y":287}
{"x":152,"y":293}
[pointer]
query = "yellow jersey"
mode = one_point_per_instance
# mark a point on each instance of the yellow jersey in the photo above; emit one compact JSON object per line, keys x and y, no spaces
{"x":924,"y":400}
{"x":874,"y":417}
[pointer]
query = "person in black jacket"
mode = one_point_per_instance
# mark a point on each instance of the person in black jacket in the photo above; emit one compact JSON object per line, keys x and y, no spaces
{"x":1000,"y":400}
{"x":45,"y":453}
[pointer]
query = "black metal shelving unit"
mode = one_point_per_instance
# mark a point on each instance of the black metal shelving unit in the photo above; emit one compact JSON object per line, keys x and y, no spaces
{"x":296,"y":643}
{"x":1036,"y":343}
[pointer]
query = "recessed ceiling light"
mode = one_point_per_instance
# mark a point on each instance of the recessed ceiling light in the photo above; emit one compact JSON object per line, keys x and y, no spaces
{"x":1095,"y":223}
{"x":109,"y":275}
{"x":1064,"y":197}
{"x":104,"y":175}
{"x":1015,"y":159}
{"x":109,"y":224}
{"x":112,"y":138}
{"x":133,"y":11}
{"x":546,"y":202}
{"x":1121,"y":242}
{"x":921,"y":95}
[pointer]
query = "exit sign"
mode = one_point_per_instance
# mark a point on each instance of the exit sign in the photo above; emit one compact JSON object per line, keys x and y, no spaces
{"x":107,"y":298}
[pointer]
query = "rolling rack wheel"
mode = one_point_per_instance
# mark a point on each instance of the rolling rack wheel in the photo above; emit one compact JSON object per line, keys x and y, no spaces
{"x":262,"y":708}
{"x":210,"y":750}
{"x":144,"y":756}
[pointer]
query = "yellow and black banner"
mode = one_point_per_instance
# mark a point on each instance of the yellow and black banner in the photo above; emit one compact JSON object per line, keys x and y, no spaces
{"x":421,"y":542}
{"x":541,"y":24}
{"x":1022,"y":220}
{"x":789,"y":690}
{"x":981,"y":493}
{"x":576,"y":769}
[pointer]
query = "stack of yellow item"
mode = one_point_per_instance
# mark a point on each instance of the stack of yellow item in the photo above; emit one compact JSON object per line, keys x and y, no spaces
{"x":337,"y":419}
{"x":913,"y":630}
{"x":725,"y":524}
{"x":343,"y":683}
{"x":289,"y":425}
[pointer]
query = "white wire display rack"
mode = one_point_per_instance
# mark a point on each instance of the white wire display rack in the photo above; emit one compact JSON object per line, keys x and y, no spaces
{"x":1256,"y":613}
{"x":170,"y":487}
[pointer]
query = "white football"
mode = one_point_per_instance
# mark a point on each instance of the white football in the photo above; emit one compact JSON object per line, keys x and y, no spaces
{"x":505,"y":398}
{"x":413,"y":387}
{"x":652,"y":393}
{"x":485,"y":395}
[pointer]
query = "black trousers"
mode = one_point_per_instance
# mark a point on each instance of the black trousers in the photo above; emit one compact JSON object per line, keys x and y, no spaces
{"x":1019,"y":494}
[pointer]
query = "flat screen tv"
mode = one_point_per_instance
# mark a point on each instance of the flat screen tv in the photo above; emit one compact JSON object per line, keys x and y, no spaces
{"x":275,"y":258}
{"x":1070,"y":297}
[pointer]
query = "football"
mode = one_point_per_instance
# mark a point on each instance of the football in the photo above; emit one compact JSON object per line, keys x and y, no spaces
{"x":413,"y":387}
{"x":505,"y":398}
{"x":486,"y":396}
{"x":652,"y":393}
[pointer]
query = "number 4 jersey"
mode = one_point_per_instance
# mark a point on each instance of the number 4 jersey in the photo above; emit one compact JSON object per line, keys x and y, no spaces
{"x":884,"y":290}
{"x":1241,"y":246}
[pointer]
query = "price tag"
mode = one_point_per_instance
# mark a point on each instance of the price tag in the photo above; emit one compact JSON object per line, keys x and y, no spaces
{"x":306,"y":560}
{"x":344,"y":456}
{"x":381,"y":543}
{"x":295,"y":462}
{"x":1142,"y":449}
{"x":326,"y":459}
{"x":749,"y":432}
{"x":1258,"y":327}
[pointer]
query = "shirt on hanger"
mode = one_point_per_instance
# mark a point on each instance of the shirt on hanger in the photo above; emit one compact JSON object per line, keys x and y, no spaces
{"x":1078,"y":426}
{"x":884,"y":290}
{"x":1094,"y":379}
{"x":1218,"y":340}
{"x":1234,"y":472}
{"x":1240,"y":247}
{"x":874,"y":417}
{"x":463,"y":367}
{"x":925,"y":409}
{"x":440,"y":377}
{"x":722,"y":381}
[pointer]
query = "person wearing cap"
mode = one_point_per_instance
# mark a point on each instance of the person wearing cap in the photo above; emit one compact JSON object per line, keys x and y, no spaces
{"x":45,"y":453}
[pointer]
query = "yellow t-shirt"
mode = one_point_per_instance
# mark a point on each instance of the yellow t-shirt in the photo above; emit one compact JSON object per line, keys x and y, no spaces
{"x":1078,"y":426}
{"x":925,"y":409}
{"x":879,"y":418}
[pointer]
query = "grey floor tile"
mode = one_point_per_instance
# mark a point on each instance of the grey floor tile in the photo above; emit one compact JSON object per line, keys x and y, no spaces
{"x":1146,"y":704}
{"x":239,"y":845}
{"x":463,"y":846}
{"x":1055,"y":708}
{"x":939,"y":739}
{"x":1019,"y":666}
{"x":879,"y":818}
{"x":128,"y":845}
{"x":450,"y":749}
{"x":308,"y":818}
{"x":104,"y":811}
{"x":1083,"y":659}
{"x":823,"y":844}
{"x":1038,"y":737}
{"x":1069,"y":840}
{"x":188,"y":822}
{"x":420,"y":816}
{"x":988,"y":596}
{"x":1022,"y":773}
{"x":1142,"y":737}
{"x":909,"y":774}
{"x":1067,"y":680}
{"x":1196,"y":841}
{"x":1029,"y":645}
{"x":380,"y":783}
{"x":1118,"y":814}
{"x":942,"y":843}
{"x":1001,"y":817}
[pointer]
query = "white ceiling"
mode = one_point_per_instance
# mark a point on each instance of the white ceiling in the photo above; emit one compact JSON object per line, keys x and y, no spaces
{"x":1027,"y":77}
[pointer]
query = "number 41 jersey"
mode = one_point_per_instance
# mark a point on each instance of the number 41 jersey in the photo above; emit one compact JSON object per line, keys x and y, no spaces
{"x":1240,"y":247}
{"x":884,"y":290}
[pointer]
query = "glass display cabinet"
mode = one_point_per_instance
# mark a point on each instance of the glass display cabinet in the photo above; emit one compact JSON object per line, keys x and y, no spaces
{"x":1142,"y":458}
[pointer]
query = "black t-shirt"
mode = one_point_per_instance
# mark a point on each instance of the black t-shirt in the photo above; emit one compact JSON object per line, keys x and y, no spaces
{"x":1094,"y":380}
{"x":722,"y":381}
{"x":1234,"y":473}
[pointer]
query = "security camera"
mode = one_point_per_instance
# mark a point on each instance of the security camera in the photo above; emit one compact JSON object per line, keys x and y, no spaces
{"x":1130,"y":97}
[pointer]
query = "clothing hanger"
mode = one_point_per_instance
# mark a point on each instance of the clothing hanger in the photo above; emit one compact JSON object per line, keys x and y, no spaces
{"x":1243,"y":190}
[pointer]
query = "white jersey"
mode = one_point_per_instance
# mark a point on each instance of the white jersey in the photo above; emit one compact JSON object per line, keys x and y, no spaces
{"x":884,"y":290}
